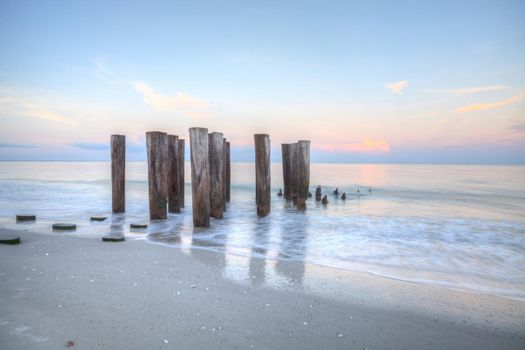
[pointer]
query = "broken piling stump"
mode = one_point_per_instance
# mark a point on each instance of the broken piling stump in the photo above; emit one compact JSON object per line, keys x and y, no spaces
{"x":325,"y":200}
{"x":113,"y":238}
{"x":118,"y":173}
{"x":23,"y":218}
{"x":138,"y":226}
{"x":216,"y":156}
{"x":157,"y":149}
{"x":262,"y":174}
{"x":98,"y":218}
{"x":9,"y":239}
{"x":343,"y":197}
{"x":318,"y":194}
{"x":173,"y":174}
{"x":200,"y":177}
{"x":64,"y":227}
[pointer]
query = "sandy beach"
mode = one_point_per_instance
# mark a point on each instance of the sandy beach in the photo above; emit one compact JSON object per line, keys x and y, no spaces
{"x":58,"y":290}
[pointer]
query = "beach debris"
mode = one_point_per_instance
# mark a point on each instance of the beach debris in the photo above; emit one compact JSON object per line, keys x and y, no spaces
{"x":280,"y":193}
{"x":113,"y":238}
{"x":64,"y":227}
{"x":98,"y":218}
{"x":325,"y":200}
{"x":343,"y":197}
{"x":137,"y":225}
{"x":25,"y":217}
{"x":69,"y":344}
{"x":9,"y":239}
{"x":336,"y":192}
{"x":318,"y":194}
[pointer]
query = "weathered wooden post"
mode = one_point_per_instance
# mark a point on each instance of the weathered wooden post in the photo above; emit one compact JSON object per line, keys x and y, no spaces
{"x":157,"y":147}
{"x":302,"y":172}
{"x":228,"y":172}
{"x":118,"y":173}
{"x":293,"y":176}
{"x":181,"y":171}
{"x":216,"y":154}
{"x":318,"y":194}
{"x":173,"y":174}
{"x":287,"y":156}
{"x":200,"y":177}
{"x":224,"y":175}
{"x":262,"y":174}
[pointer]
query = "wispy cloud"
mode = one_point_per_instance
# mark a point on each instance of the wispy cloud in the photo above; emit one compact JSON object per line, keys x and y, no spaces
{"x":397,"y":87}
{"x":468,"y":91}
{"x":14,"y":145}
{"x":494,"y":105}
{"x":106,"y":74}
{"x":365,"y":146}
{"x":93,"y":146}
{"x":179,"y":102}
{"x":25,"y":107}
{"x":518,"y":127}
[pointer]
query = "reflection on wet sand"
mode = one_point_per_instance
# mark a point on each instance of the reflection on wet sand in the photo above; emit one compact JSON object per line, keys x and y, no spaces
{"x":257,"y":267}
{"x":200,"y":241}
{"x":292,"y":252}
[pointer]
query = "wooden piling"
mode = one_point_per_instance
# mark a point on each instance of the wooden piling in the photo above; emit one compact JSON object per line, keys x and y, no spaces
{"x":287,"y":157}
{"x":228,"y":172}
{"x":216,"y":155}
{"x":180,"y":158}
{"x":173,"y":174}
{"x":224,"y":175}
{"x":262,"y":174}
{"x":118,"y":173}
{"x":157,"y":148}
{"x":318,"y":194}
{"x":293,"y":177}
{"x":200,"y":177}
{"x":302,"y":172}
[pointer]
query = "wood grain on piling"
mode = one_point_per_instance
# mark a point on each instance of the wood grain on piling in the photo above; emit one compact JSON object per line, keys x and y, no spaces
{"x":157,"y":149}
{"x":262,"y":174}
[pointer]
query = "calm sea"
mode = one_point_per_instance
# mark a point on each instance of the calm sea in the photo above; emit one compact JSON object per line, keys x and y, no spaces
{"x":458,"y":226}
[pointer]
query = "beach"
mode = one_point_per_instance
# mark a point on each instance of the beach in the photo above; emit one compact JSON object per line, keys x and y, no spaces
{"x":60,"y":290}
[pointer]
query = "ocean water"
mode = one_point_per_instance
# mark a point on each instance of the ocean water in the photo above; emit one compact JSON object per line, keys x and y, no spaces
{"x":457,"y":226}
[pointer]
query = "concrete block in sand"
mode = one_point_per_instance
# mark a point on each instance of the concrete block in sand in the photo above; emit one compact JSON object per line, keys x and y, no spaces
{"x":24,"y":217}
{"x":64,"y":227}
{"x":9,"y":239}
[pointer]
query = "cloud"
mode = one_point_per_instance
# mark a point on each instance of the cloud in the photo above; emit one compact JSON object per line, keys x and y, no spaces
{"x":396,"y":87}
{"x":468,"y":91}
{"x":104,"y":73}
{"x":365,"y":146}
{"x":494,"y":105}
{"x":179,"y":102}
{"x":13,"y":145}
{"x":22,"y":106}
{"x":92,"y":146}
{"x":518,"y":127}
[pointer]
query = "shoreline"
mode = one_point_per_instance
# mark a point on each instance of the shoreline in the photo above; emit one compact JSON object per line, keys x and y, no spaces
{"x":136,"y":295}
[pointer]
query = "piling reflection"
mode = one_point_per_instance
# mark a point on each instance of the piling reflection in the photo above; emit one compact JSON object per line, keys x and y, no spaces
{"x":292,"y":252}
{"x":202,"y":240}
{"x":257,"y":268}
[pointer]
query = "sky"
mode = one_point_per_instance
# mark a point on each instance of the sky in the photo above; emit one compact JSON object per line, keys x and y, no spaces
{"x":364,"y":81}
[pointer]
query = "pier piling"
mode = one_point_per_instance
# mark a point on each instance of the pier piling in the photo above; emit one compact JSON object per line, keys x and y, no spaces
{"x":157,"y":149}
{"x":118,"y":173}
{"x":287,"y":157}
{"x":262,"y":174}
{"x":180,"y":159}
{"x":173,"y":174}
{"x":228,"y":172}
{"x":302,"y":172}
{"x":200,"y":177}
{"x":216,"y":155}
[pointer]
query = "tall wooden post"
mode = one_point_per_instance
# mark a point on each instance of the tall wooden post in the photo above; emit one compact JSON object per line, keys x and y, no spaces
{"x":302,"y":172}
{"x":287,"y":156}
{"x":224,"y":175}
{"x":262,"y":174}
{"x":118,"y":173}
{"x":293,"y":176}
{"x":228,"y":172}
{"x":157,"y":147}
{"x":173,"y":174}
{"x":216,"y":154}
{"x":200,"y":177}
{"x":180,"y":158}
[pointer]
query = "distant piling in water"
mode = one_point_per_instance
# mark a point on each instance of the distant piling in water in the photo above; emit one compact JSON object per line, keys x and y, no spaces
{"x":157,"y":149}
{"x":318,"y":194}
{"x":200,"y":176}
{"x":262,"y":174}
{"x":216,"y":160}
{"x":180,"y":159}
{"x":118,"y":173}
{"x":302,"y":172}
{"x":173,"y":174}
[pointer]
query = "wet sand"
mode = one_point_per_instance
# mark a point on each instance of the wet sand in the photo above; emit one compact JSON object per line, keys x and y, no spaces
{"x":58,"y":290}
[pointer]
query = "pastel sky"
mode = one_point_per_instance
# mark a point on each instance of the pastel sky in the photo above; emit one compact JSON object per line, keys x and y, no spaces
{"x":365,"y":81}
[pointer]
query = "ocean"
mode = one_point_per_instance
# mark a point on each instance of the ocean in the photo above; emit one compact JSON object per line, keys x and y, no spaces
{"x":455,"y":226}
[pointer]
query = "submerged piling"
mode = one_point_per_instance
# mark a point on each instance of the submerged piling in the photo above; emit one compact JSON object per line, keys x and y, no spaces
{"x":200,"y":177}
{"x":302,"y":172}
{"x":262,"y":174}
{"x":180,"y":158}
{"x":173,"y":174}
{"x":216,"y":156}
{"x":118,"y":173}
{"x":157,"y":148}
{"x":318,"y":194}
{"x":287,"y":157}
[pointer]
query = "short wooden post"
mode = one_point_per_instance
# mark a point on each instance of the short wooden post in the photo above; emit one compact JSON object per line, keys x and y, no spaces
{"x":216,"y":154}
{"x":118,"y":173}
{"x":180,"y":158}
{"x":262,"y":174}
{"x":200,"y":177}
{"x":173,"y":174}
{"x":157,"y":148}
{"x":318,"y":194}
{"x":287,"y":156}
{"x":228,"y":172}
{"x":302,"y":172}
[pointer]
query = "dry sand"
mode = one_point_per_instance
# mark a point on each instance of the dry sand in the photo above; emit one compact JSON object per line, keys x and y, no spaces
{"x":58,"y":290}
